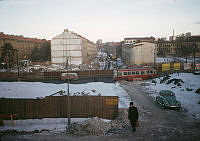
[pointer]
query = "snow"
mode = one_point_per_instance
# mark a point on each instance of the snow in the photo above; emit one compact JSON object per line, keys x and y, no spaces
{"x":164,"y":59}
{"x":50,"y":124}
{"x":189,"y":99}
{"x":39,"y":89}
{"x":176,"y":59}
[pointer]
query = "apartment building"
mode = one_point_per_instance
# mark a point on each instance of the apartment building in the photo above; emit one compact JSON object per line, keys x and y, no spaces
{"x":23,"y":45}
{"x":69,"y":48}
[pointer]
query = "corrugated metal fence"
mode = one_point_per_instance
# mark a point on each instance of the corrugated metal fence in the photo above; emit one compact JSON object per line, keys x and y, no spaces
{"x":57,"y":107}
{"x":37,"y":76}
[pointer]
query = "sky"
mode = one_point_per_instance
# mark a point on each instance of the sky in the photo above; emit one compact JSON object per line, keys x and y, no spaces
{"x":109,"y":20}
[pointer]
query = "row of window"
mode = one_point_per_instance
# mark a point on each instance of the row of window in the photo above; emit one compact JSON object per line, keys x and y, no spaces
{"x":136,"y":72}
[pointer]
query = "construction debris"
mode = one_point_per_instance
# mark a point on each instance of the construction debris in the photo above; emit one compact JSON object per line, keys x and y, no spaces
{"x":97,"y":126}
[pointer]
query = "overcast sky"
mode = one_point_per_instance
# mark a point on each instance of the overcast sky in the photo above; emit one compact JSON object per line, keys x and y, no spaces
{"x":110,"y":20}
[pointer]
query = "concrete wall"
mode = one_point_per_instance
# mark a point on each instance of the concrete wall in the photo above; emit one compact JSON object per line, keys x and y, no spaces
{"x":140,"y":53}
{"x":143,"y":54}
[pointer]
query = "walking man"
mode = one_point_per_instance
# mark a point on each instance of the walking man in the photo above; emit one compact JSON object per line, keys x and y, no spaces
{"x":133,"y":115}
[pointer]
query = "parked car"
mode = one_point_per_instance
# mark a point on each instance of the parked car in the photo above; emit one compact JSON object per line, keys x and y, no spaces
{"x":167,"y":99}
{"x":70,"y":76}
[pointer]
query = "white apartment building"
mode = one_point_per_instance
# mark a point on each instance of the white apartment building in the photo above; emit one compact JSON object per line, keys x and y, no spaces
{"x":69,"y":48}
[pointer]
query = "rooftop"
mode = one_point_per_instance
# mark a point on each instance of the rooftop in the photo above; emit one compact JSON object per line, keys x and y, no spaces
{"x":140,"y":38}
{"x":21,"y":38}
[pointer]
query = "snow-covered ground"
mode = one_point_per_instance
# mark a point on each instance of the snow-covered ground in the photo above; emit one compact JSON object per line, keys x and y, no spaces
{"x":176,"y":59}
{"x":188,"y":99}
{"x":39,"y":89}
{"x":164,"y":59}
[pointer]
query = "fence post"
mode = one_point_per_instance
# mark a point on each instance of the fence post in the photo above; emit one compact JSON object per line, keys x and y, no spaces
{"x":12,"y":121}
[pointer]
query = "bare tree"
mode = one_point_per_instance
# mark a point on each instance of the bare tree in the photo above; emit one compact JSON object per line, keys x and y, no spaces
{"x":7,"y":55}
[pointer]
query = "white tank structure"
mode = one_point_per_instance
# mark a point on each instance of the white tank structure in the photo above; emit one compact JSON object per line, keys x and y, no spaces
{"x":71,"y":48}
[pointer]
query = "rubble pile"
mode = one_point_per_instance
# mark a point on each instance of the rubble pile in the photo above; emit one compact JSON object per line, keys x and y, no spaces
{"x":121,"y":121}
{"x":93,"y":126}
{"x":175,"y":81}
{"x":96,"y":126}
{"x":164,"y":79}
{"x":197,"y":91}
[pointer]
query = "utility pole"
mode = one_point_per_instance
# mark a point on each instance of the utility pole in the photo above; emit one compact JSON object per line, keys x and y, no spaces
{"x":68,"y":95}
{"x":154,"y":61}
{"x":18,"y":78}
{"x":68,"y":104}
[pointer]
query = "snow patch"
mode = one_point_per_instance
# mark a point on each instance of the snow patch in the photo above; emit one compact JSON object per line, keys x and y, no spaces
{"x":184,"y":93}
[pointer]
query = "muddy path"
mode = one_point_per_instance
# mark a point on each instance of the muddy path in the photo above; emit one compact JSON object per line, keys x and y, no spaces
{"x":158,"y":123}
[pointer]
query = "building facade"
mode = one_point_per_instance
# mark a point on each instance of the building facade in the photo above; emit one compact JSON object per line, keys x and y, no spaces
{"x":174,"y":47}
{"x":166,"y":48}
{"x":69,"y":48}
{"x":23,"y":45}
{"x":138,"y":39}
{"x":139,"y":53}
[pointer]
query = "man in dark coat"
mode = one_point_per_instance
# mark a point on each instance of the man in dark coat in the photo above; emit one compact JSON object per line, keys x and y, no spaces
{"x":133,"y":115}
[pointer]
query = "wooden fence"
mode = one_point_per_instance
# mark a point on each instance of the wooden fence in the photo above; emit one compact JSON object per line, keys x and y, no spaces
{"x":57,"y":107}
{"x":54,"y":75}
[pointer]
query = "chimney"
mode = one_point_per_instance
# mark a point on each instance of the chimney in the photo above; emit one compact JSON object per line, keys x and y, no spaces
{"x":66,"y":30}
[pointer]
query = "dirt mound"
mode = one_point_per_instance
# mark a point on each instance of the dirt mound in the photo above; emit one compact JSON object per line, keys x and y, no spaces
{"x":197,"y":91}
{"x":93,"y":126}
{"x":175,"y":81}
{"x":97,"y":126}
{"x":165,"y":78}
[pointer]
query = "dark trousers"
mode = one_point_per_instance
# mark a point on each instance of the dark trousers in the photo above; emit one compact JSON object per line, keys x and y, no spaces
{"x":133,"y":124}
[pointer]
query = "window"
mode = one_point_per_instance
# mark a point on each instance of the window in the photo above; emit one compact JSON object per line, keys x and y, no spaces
{"x":142,"y":72}
{"x":125,"y":73}
{"x":129,"y":73}
{"x":137,"y":72}
{"x":133,"y":73}
{"x":147,"y":72}
{"x":151,"y":71}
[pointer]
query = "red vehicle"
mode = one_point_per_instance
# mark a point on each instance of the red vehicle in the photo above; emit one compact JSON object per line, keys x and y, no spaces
{"x":134,"y":74}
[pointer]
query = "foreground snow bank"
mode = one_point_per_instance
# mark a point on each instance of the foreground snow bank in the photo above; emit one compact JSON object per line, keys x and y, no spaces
{"x":48,"y":124}
{"x":184,"y":93}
